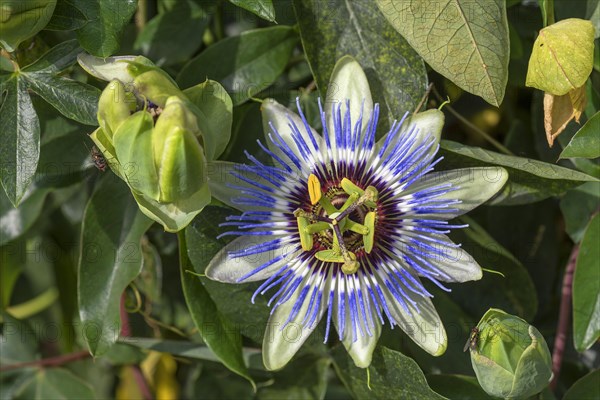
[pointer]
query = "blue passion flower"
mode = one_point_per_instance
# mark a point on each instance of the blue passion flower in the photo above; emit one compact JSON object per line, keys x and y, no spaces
{"x":343,"y":227}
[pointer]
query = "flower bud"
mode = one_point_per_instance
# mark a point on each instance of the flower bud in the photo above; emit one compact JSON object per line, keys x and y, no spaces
{"x":510,"y":357}
{"x":178,"y":157}
{"x":114,"y":107}
{"x":20,"y":20}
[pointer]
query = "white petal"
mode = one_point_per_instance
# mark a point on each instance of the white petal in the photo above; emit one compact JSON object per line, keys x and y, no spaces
{"x":348,"y":82}
{"x":282,"y":341}
{"x":279,"y":116}
{"x":455,"y":262}
{"x":361,"y":349}
{"x":475,"y":186}
{"x":423,"y":326}
{"x":427,"y":126}
{"x":225,"y":268}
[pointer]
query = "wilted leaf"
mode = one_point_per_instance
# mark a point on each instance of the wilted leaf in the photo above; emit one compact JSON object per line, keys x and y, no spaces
{"x":562,"y":57}
{"x":586,"y":142}
{"x":464,"y":40}
{"x":560,"y":110}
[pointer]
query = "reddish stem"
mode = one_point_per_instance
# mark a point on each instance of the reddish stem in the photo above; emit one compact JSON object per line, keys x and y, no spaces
{"x":137,"y":372}
{"x":564,"y":317}
{"x":48,"y":362}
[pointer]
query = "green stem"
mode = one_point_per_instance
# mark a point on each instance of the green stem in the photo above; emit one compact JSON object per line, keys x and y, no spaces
{"x":474,"y":128}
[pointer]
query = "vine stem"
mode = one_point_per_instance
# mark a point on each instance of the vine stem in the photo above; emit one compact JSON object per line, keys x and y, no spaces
{"x":564,"y":317}
{"x":48,"y":362}
{"x":499,"y":146}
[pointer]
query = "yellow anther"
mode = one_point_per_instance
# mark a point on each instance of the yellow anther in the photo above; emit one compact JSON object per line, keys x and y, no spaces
{"x":314,"y":189}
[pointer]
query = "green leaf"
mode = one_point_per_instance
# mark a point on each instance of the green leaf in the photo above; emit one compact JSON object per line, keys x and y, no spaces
{"x":562,"y":57}
{"x":216,"y":107}
{"x":577,"y":206}
{"x":246,"y":64}
{"x":183,"y":24}
{"x":586,"y":289}
{"x":262,"y":8}
{"x":464,"y":41}
{"x":16,"y":344}
{"x":74,"y":100}
{"x":458,"y":387}
{"x":64,"y":161}
{"x":101,"y":35}
{"x":10,"y":270}
{"x":21,"y":20}
{"x":56,"y":59}
{"x":586,"y":142}
{"x":182,"y":348}
{"x":53,"y":383}
{"x":586,"y":388}
{"x":20,"y":138}
{"x":66,"y":17}
{"x":388,"y":366}
{"x":303,"y":378}
{"x":110,"y":258}
{"x":216,"y":330}
{"x":528,"y":180}
{"x":395,"y":72}
{"x":547,"y":9}
{"x":16,"y":221}
{"x":513,"y":292}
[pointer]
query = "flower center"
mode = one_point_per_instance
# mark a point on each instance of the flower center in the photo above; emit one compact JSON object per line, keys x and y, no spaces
{"x":342,"y":220}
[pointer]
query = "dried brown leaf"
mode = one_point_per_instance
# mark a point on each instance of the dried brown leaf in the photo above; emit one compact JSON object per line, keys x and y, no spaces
{"x":560,"y":110}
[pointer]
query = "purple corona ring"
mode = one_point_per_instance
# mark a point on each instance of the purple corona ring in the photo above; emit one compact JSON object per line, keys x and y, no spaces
{"x":342,"y":227}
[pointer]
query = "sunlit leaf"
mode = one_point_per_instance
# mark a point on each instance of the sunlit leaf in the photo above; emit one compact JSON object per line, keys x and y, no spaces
{"x":465,"y":41}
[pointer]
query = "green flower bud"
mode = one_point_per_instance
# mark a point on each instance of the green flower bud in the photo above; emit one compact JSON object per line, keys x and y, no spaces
{"x":510,"y":357}
{"x":155,"y":85}
{"x":20,"y":20}
{"x":178,"y":157}
{"x":114,"y":107}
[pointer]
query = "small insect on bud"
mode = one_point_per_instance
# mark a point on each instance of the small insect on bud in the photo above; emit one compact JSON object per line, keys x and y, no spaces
{"x":98,"y":159}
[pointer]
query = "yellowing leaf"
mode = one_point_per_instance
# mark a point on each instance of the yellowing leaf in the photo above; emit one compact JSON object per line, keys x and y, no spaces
{"x":560,"y":110}
{"x":562,"y":57}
